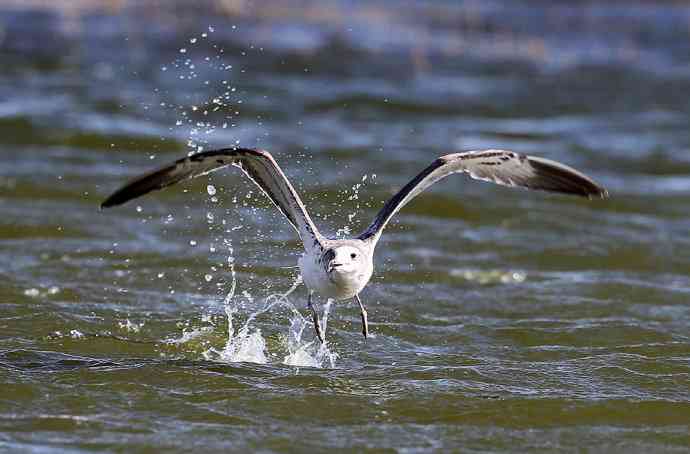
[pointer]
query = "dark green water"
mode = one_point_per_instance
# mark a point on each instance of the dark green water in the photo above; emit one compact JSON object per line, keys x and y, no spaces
{"x":504,"y":320}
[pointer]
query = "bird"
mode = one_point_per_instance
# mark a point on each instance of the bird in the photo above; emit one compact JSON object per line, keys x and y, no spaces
{"x":340,"y":268}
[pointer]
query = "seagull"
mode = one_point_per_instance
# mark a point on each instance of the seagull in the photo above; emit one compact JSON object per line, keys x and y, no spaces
{"x":340,"y":268}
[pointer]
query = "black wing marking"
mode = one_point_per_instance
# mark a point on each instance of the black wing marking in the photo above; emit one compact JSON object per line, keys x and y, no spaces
{"x":258,"y":165}
{"x":497,"y":166}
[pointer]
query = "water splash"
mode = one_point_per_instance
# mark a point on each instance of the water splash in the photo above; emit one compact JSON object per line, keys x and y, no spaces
{"x":129,"y":326}
{"x":353,"y":196}
{"x":309,"y":354}
{"x":190,"y":335}
{"x":248,"y":344}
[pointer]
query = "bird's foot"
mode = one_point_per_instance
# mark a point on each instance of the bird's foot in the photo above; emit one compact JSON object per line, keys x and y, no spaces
{"x":317,"y":327}
{"x":363,"y":313}
{"x":315,"y":317}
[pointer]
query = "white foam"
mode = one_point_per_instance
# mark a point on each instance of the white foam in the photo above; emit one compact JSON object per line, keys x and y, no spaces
{"x":312,"y":353}
{"x":190,"y":335}
{"x":249,"y":345}
{"x":130,"y":326}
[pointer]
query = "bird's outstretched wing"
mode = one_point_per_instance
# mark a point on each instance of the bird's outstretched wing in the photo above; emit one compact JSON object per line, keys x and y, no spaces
{"x":258,"y":165}
{"x":497,"y":166}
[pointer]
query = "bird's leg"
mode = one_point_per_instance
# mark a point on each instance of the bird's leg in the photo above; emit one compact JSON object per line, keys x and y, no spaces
{"x":315,"y":315}
{"x":363,"y":311}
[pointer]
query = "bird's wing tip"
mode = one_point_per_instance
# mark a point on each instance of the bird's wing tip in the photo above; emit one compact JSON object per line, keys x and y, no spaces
{"x":597,"y":193}
{"x":109,"y":203}
{"x":601,"y":193}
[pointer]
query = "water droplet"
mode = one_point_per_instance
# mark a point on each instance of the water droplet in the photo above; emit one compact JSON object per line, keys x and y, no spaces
{"x":211,"y":189}
{"x":183,"y":51}
{"x":33,"y":292}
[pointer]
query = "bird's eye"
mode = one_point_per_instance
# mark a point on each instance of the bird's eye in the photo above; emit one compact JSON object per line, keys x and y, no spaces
{"x":353,"y":255}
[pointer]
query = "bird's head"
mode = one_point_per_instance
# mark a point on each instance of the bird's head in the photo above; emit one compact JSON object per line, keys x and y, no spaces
{"x":343,"y":259}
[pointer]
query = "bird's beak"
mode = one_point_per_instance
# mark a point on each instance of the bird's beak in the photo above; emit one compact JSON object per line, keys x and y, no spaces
{"x":333,"y":265}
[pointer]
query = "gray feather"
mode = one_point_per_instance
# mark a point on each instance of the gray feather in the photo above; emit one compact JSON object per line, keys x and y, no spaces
{"x":502,"y":167}
{"x":258,"y":165}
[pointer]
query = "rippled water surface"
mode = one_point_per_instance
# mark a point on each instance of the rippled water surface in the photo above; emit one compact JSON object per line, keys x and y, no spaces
{"x":503,"y":320}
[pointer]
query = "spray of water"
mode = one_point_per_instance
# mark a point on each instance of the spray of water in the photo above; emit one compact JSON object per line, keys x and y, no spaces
{"x":245,"y":341}
{"x":247,"y":344}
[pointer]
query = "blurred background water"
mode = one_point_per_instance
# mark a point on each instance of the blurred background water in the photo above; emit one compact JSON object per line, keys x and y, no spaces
{"x":503,"y":320}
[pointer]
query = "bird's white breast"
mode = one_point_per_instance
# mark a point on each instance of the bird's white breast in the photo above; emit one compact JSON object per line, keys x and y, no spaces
{"x":335,"y":285}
